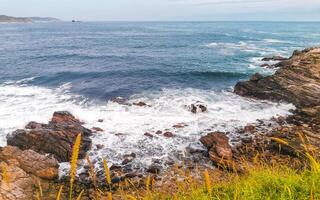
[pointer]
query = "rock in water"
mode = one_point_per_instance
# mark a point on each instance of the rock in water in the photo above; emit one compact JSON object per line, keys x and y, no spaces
{"x":56,"y":138}
{"x":297,"y":81}
{"x":220,"y":151}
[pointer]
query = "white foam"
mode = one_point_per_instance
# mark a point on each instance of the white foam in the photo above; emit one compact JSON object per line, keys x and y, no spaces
{"x":21,"y":104}
{"x":269,"y":40}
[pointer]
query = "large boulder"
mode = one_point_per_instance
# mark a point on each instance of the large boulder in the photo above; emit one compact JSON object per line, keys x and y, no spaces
{"x":297,"y":81}
{"x":219,"y":150}
{"x":56,"y":137}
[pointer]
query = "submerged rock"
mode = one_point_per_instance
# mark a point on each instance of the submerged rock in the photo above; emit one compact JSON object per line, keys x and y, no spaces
{"x":56,"y":138}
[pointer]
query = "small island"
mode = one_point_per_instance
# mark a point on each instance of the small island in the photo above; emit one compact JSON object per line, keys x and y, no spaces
{"x":10,"y":19}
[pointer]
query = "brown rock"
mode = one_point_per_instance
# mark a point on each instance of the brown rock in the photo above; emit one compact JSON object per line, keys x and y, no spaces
{"x":168,"y":134}
{"x":180,"y":125}
{"x":296,"y":82}
{"x":218,"y":146}
{"x":31,"y":162}
{"x":158,"y":132}
{"x":21,"y":184}
{"x":148,"y":134}
{"x":256,"y":77}
{"x":141,"y":103}
{"x":249,"y":128}
{"x":56,"y":138}
{"x":97,"y":129}
{"x":274,"y":58}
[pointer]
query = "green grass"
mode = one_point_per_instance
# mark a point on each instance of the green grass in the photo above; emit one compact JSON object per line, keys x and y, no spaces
{"x":263,"y":182}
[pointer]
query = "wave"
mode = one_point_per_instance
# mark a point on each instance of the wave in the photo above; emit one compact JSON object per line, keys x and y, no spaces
{"x":125,"y":125}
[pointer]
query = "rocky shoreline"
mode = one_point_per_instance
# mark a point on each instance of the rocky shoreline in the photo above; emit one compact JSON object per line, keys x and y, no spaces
{"x":33,"y":153}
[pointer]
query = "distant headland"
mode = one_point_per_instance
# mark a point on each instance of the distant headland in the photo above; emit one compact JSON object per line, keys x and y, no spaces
{"x":10,"y":19}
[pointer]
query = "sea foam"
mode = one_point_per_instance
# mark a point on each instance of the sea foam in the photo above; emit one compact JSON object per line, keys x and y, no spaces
{"x":124,"y":125}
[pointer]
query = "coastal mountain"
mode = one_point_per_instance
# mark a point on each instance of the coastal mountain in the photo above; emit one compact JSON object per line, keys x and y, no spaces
{"x":9,"y":19}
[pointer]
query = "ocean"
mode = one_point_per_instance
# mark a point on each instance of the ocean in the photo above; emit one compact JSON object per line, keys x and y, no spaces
{"x":79,"y":67}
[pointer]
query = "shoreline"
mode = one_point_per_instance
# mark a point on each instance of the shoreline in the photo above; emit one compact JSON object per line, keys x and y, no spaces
{"x":258,"y":137}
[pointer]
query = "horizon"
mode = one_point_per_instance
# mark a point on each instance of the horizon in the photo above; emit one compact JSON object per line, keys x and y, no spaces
{"x":168,"y":10}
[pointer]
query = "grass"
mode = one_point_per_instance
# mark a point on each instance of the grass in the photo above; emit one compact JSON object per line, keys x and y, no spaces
{"x":260,"y":182}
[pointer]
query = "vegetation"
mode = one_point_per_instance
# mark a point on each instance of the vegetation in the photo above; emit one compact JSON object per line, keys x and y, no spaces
{"x":261,"y":180}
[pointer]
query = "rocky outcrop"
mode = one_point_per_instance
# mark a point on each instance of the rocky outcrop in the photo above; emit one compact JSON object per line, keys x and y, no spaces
{"x":31,"y":162}
{"x":24,"y":171}
{"x":56,"y":137}
{"x":297,"y":81}
{"x":220,"y":151}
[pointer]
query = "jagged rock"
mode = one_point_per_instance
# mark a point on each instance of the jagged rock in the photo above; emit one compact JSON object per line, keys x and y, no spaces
{"x":197,"y":107}
{"x":274,"y":58}
{"x":256,"y":77}
{"x":297,"y":82}
{"x":56,"y":138}
{"x":20,"y":184}
{"x":31,"y":162}
{"x":220,"y":151}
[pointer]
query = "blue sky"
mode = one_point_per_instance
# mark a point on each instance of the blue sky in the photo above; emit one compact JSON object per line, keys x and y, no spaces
{"x":163,"y":10}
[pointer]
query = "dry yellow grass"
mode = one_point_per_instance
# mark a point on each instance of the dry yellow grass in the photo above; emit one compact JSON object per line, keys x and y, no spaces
{"x":59,"y":193}
{"x":74,"y":160}
{"x":207,"y":182}
{"x":107,"y":172}
{"x":5,"y":176}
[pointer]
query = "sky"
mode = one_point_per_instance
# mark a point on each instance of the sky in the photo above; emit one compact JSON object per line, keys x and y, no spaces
{"x":166,"y":10}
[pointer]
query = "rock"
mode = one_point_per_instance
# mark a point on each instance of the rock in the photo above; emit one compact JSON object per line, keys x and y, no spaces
{"x":274,"y":58}
{"x":297,"y":82}
{"x":21,"y":184}
{"x":119,"y":100}
{"x":197,"y":107}
{"x":99,"y":146}
{"x":42,"y":166}
{"x":100,"y":120}
{"x":179,"y":125}
{"x":128,"y":158}
{"x":56,"y":138}
{"x":168,"y":134}
{"x":154,"y":169}
{"x":218,"y":146}
{"x":64,"y":117}
{"x":35,"y":125}
{"x":256,"y":77}
{"x":158,"y":132}
{"x":141,"y":103}
{"x":249,"y":128}
{"x":97,"y":129}
{"x":148,"y":134}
